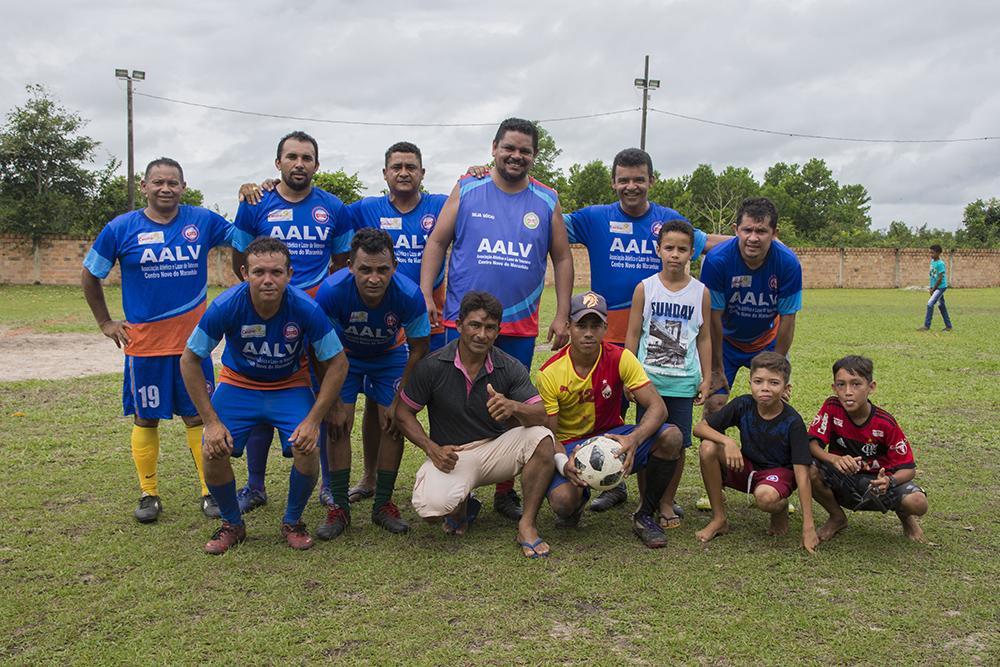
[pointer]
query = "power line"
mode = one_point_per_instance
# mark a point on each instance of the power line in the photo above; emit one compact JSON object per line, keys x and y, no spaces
{"x":821,"y":136}
{"x":372,"y":123}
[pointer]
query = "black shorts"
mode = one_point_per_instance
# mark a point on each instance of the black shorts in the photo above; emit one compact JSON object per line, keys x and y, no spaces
{"x":852,"y":491}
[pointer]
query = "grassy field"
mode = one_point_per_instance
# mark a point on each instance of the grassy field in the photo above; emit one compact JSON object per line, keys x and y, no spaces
{"x":84,"y":584}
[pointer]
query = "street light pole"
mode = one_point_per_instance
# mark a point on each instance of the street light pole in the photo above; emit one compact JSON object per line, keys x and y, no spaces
{"x":136,"y":75}
{"x":646,"y":84}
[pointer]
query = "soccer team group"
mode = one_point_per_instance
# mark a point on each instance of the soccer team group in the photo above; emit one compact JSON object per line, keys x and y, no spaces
{"x":338,"y":300}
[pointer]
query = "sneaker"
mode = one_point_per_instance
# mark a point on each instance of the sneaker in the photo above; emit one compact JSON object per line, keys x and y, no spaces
{"x":947,"y":328}
{"x":326,"y":497}
{"x":337,"y":521}
{"x":228,"y":535}
{"x":250,"y":499}
{"x":149,"y":509}
{"x":923,"y":328}
{"x":388,"y":517}
{"x":508,"y":505}
{"x":649,"y":531}
{"x":704,"y":504}
{"x":296,"y":535}
{"x":209,"y":507}
{"x":609,"y":499}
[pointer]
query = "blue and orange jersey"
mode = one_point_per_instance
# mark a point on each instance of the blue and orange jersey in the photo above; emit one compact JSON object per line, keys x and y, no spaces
{"x":501,"y":246}
{"x":265,"y":353}
{"x":622,"y":252}
{"x":752,"y":301}
{"x":592,"y":404}
{"x":370,"y":331}
{"x":164,"y":271}
{"x":314,"y":230}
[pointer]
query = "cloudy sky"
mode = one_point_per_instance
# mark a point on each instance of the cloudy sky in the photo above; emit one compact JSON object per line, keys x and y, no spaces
{"x":883,"y":70}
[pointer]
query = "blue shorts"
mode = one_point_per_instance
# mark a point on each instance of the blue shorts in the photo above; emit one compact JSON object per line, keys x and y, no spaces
{"x":378,"y":377}
{"x":243,"y":409}
{"x":680,"y":413}
{"x":639,"y":461}
{"x":154,"y":389}
{"x":521,"y":348}
{"x":438,"y":341}
{"x":734,"y":359}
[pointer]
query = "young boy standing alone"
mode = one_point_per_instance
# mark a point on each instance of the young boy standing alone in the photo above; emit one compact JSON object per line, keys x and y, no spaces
{"x":939,"y":283}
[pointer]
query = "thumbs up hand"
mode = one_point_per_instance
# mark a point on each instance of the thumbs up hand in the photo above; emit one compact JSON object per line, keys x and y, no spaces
{"x":499,"y":406}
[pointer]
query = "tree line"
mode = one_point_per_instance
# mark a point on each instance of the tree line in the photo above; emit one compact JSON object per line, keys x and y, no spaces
{"x":46,"y":188}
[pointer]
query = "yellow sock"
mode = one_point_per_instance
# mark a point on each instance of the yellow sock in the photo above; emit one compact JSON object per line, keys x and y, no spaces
{"x":145,"y":450}
{"x":194,"y":443}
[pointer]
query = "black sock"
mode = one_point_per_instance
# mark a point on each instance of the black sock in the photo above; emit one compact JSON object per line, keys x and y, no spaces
{"x":659,"y":472}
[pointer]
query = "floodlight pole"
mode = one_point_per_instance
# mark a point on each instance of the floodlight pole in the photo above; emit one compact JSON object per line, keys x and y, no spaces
{"x":646,"y":84}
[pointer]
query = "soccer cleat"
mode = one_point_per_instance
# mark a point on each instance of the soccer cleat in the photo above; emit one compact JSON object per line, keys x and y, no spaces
{"x":209,"y":507}
{"x":337,"y":521}
{"x":326,"y":497}
{"x":610,"y":498}
{"x":388,"y":517}
{"x":296,"y":535}
{"x":250,"y":498}
{"x":508,"y":505}
{"x":148,"y":510}
{"x":649,"y":531}
{"x":227,"y":536}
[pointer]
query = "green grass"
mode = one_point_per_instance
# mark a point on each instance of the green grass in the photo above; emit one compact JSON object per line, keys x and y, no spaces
{"x":84,"y":584}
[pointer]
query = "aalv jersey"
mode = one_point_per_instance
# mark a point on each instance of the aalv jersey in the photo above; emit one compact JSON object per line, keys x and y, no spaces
{"x":622,"y":252}
{"x":752,"y":301}
{"x":879,"y":441}
{"x":371,"y":331}
{"x":588,"y":405}
{"x":164,"y":272}
{"x":314,"y":229}
{"x":265,"y":353}
{"x":501,"y":245}
{"x":668,"y":345}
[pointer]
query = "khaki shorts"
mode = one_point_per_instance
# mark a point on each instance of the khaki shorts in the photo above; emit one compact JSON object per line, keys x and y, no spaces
{"x":482,"y":462}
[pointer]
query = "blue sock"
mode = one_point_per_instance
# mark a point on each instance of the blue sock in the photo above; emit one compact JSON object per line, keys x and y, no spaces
{"x":257,"y":447}
{"x":324,"y":463}
{"x":300,"y":487}
{"x":229,"y":506}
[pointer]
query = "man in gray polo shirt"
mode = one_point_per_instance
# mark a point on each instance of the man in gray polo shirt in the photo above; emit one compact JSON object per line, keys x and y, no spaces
{"x":486,"y":425}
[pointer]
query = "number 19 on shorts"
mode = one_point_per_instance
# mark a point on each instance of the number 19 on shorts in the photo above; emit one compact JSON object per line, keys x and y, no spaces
{"x":149,"y":396}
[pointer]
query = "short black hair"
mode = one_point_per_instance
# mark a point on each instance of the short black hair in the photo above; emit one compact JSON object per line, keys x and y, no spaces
{"x":855,"y":365}
{"x":632,"y":157}
{"x":682,"y":226}
{"x":164,"y":162}
{"x":404,"y":147}
{"x":372,"y":241}
{"x":757,"y":208}
{"x":297,"y":135}
{"x":267,"y":245}
{"x":480,"y":301}
{"x":936,"y":248}
{"x":518,"y":125}
{"x":774,"y":362}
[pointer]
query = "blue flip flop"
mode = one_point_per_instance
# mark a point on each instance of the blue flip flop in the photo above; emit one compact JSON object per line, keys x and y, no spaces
{"x":472,"y":508}
{"x":533,"y":546}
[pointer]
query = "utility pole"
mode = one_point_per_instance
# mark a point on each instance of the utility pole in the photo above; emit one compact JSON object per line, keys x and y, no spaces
{"x":646,"y":84}
{"x":136,"y":75}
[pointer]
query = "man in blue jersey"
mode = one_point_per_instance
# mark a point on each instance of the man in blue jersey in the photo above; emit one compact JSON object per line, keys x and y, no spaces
{"x":267,"y":325}
{"x":621,"y":240}
{"x":316,"y":227}
{"x":162,"y":251}
{"x":381,"y":318}
{"x":501,"y":228}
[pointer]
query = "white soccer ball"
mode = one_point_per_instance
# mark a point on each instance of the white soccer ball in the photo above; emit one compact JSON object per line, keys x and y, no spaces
{"x":598,"y":464}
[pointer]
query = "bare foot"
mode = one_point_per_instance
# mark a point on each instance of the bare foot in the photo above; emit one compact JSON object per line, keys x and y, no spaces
{"x":912,"y":529}
{"x":455,"y":523}
{"x":829,"y":530}
{"x":779,"y":523}
{"x":714,"y":528}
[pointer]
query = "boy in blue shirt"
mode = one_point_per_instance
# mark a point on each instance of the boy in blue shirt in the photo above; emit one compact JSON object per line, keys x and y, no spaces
{"x":939,"y":283}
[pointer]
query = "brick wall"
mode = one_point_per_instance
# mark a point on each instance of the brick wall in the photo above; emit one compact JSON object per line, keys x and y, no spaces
{"x":58,"y":260}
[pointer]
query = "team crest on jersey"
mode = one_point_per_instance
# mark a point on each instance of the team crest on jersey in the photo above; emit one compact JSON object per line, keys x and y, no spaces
{"x":190,"y":233}
{"x":291,"y":331}
{"x":321,"y":215}
{"x":427,"y":222}
{"x":280,"y":215}
{"x":900,"y":447}
{"x":878,"y":433}
{"x":620,"y":227}
{"x":772,"y":282}
{"x":741,"y":281}
{"x":394,"y":224}
{"x":253,"y":331}
{"x":148,"y":238}
{"x":358,"y":316}
{"x":605,"y":390}
{"x":531,"y":220}
{"x":391,"y":320}
{"x":772,"y":478}
{"x":869,"y":449}
{"x":655,"y":229}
